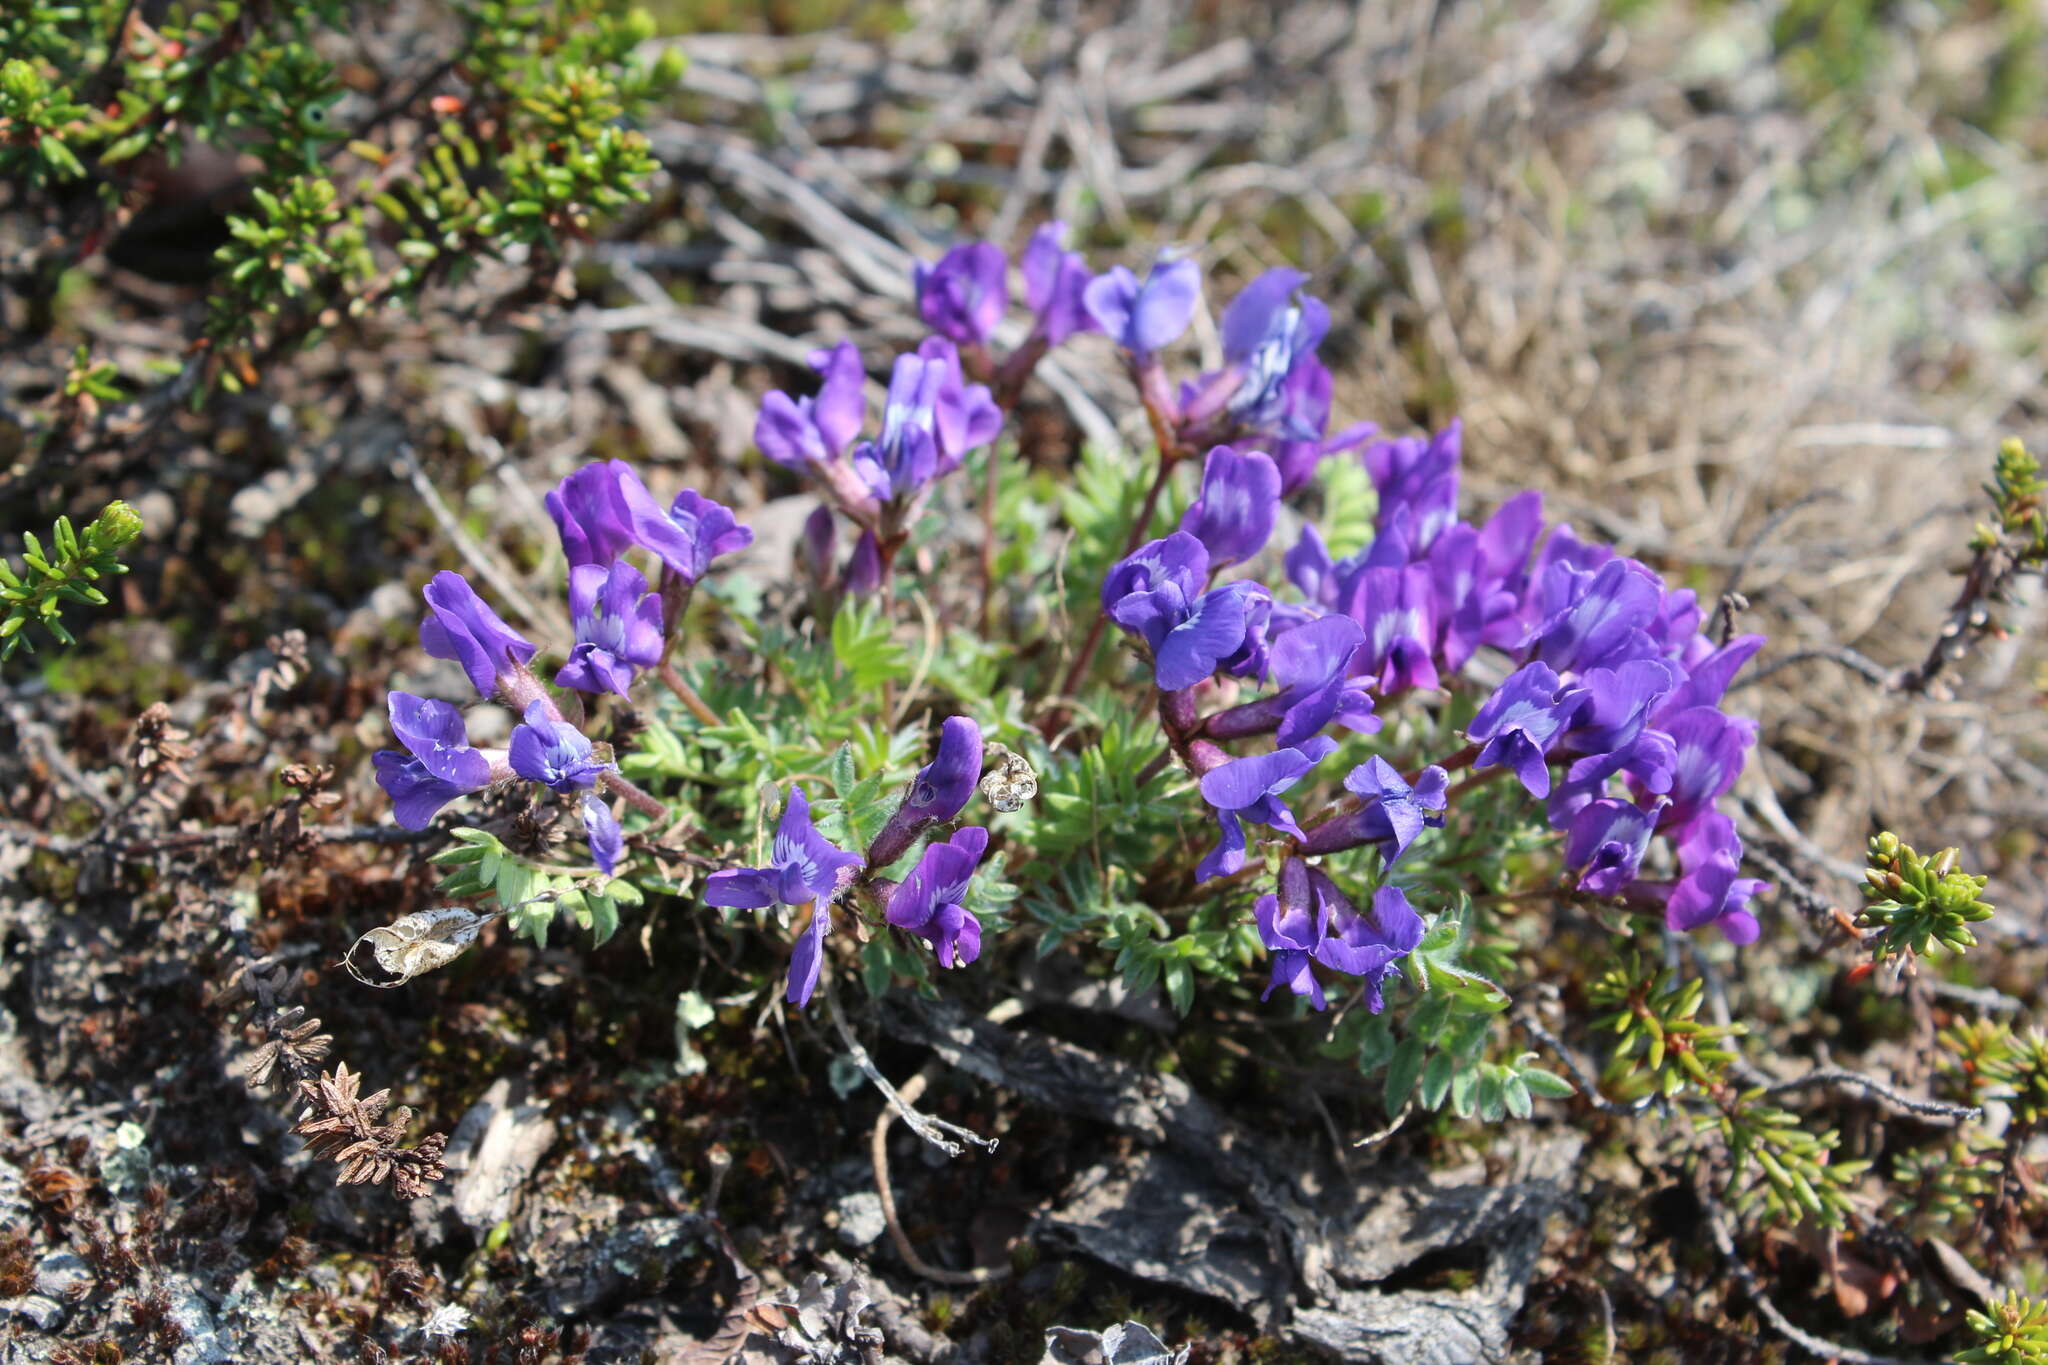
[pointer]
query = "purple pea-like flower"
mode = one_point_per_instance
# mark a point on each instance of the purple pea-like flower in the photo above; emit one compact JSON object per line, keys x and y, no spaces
{"x":1613,"y":705}
{"x":930,"y":421}
{"x":1300,"y":443}
{"x":1711,"y":750}
{"x":1519,"y":723}
{"x":602,"y":832}
{"x":1369,"y":946}
{"x":1311,"y":664}
{"x":1233,"y":516}
{"x":590,"y":510}
{"x":604,"y":510}
{"x":1477,"y":576}
{"x":1152,"y":593}
{"x":1606,"y":842}
{"x":1291,"y":925}
{"x":815,"y":546}
{"x":1397,"y":608}
{"x":1266,"y":333}
{"x":549,"y":750}
{"x":931,"y":902}
{"x":1711,"y":892}
{"x":1249,"y":789}
{"x":696,"y":532}
{"x":1417,"y":481}
{"x":864,"y":566}
{"x":803,"y":866}
{"x":964,"y":296}
{"x":807,"y":958}
{"x":1148,"y":317}
{"x":1190,"y":644}
{"x":1404,"y":810}
{"x":459,"y":625}
{"x":813,"y":431}
{"x":1178,"y":560}
{"x":618,"y":628}
{"x":1604,"y":624}
{"x":443,"y":765}
{"x":1055,"y":281}
{"x":940,"y":791}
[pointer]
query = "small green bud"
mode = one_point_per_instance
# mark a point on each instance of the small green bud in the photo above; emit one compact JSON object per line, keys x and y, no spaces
{"x":117,"y":525}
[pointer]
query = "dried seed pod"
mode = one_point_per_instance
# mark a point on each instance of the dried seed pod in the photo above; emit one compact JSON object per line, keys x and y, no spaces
{"x":1007,"y":779}
{"x":415,"y":944}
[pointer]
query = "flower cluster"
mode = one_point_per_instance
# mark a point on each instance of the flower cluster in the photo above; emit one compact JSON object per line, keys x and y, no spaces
{"x":1609,"y":713}
{"x":622,"y":628}
{"x":808,"y":872}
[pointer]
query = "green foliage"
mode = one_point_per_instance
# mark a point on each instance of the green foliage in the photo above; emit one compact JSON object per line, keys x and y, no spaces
{"x":2018,"y":519}
{"x":1661,"y":1046}
{"x":521,"y":139}
{"x":1942,"y":1189}
{"x":1778,"y":1163}
{"x":1919,"y":901}
{"x":2012,"y":1331}
{"x":532,"y":894}
{"x":2019,"y":1072}
{"x":66,"y":572}
{"x":1435,"y":1052}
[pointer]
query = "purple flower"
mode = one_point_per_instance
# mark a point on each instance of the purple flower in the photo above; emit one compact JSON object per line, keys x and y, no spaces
{"x":1711,"y":892}
{"x":1519,"y":723}
{"x":815,"y":547}
{"x":460,"y":626}
{"x":1310,"y":569}
{"x":1055,"y":281}
{"x":554,"y":753}
{"x":864,"y":566}
{"x":1144,"y":318}
{"x":698,"y":531}
{"x":1266,"y":334}
{"x":1404,"y":810}
{"x":590,"y":510}
{"x":1233,"y":517}
{"x":1152,"y":594}
{"x":804,"y":866}
{"x":808,"y":957}
{"x":1477,"y":575}
{"x":1304,"y":416}
{"x":1292,"y":925}
{"x":1249,"y":789}
{"x":943,"y":787}
{"x":1606,"y":842}
{"x":797,"y":432}
{"x":1311,"y":664}
{"x":1613,"y":705}
{"x":930,"y":421}
{"x":603,"y":510}
{"x":1604,"y":621}
{"x":1368,"y":946}
{"x":931,"y":902}
{"x":940,"y":791}
{"x":618,"y":628}
{"x":1417,"y":481}
{"x":601,"y":831}
{"x":1711,"y":750}
{"x":1397,"y":608}
{"x":1178,"y":560}
{"x":963,"y":297}
{"x":443,"y":766}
